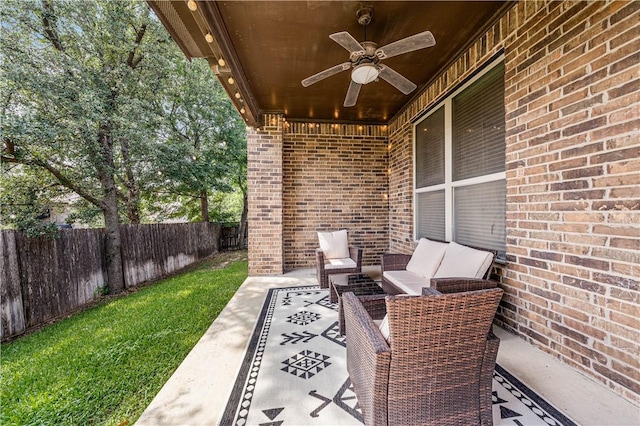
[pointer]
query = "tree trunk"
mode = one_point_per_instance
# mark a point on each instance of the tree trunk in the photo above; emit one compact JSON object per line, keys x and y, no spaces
{"x":113,"y":244}
{"x":242,"y":243}
{"x":110,"y":209}
{"x":204,"y":206}
{"x":133,"y":213}
{"x":132,"y":196}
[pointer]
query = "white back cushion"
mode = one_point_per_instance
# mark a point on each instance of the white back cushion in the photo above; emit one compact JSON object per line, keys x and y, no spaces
{"x":334,"y":244}
{"x":426,"y":258}
{"x":463,"y":261}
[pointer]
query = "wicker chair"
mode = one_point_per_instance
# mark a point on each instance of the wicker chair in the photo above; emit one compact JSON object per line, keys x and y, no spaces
{"x":323,"y":270}
{"x":437,"y":367}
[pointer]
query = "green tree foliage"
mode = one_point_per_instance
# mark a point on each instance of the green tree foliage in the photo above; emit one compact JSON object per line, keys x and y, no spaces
{"x":76,"y":77}
{"x":25,"y":199}
{"x":96,"y":100}
{"x":201,"y":148}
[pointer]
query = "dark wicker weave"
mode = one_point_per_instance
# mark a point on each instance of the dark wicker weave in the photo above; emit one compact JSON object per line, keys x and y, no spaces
{"x":399,"y":262}
{"x":358,"y":284}
{"x":355,"y":253}
{"x":432,"y":369}
{"x":455,"y":285}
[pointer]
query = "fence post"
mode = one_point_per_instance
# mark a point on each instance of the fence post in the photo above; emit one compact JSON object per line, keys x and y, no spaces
{"x":12,"y":315}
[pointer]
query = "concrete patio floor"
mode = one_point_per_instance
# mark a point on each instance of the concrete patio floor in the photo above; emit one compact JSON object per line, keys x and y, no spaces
{"x":197,"y":392}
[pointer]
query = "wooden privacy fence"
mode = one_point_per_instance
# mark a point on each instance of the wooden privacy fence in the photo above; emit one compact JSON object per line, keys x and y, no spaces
{"x":152,"y":251}
{"x":45,"y":278}
{"x":42,"y":279}
{"x":230,"y":238}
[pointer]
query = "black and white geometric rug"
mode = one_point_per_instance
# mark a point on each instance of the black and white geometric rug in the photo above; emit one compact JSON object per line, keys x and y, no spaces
{"x":294,"y":372}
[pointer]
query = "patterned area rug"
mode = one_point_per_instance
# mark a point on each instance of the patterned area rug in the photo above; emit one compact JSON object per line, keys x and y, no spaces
{"x":294,"y":372}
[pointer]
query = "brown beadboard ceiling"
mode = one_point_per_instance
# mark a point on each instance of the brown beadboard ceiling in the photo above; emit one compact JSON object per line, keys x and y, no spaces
{"x":270,"y":46}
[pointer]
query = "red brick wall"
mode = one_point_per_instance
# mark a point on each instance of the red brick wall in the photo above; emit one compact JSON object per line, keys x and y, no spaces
{"x":335,"y":177}
{"x":572,"y":279}
{"x":573,"y":155}
{"x":264,"y":181}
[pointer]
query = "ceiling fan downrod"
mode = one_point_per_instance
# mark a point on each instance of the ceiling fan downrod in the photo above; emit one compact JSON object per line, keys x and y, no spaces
{"x":364,"y":16}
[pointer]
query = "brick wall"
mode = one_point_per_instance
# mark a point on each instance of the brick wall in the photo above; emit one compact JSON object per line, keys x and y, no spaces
{"x":572,"y":278}
{"x":335,"y":177}
{"x":264,"y":181}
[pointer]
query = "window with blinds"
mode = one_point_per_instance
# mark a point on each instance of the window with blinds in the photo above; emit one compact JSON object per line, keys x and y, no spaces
{"x":430,"y":150}
{"x":478,"y":127}
{"x":431,"y":222}
{"x":459,"y":160}
{"x":479,"y":215}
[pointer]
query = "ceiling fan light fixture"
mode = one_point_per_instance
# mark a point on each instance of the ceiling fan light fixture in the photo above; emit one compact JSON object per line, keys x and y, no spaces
{"x":364,"y":73}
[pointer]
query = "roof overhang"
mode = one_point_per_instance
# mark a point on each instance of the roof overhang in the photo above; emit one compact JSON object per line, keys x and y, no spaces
{"x":262,"y":50}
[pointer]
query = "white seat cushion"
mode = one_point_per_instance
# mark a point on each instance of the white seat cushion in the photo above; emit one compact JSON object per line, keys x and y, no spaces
{"x":463,"y":261}
{"x":340,"y":263}
{"x":334,"y":244}
{"x":427,"y":257}
{"x":407,"y":281}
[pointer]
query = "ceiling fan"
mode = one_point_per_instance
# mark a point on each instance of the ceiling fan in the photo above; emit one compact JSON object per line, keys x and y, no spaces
{"x":365,"y":59}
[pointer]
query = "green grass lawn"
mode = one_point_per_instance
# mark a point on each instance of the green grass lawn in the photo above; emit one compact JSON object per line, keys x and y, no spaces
{"x":105,"y":365}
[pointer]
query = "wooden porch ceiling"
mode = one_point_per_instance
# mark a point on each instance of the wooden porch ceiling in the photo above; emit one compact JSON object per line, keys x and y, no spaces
{"x":269,"y":47}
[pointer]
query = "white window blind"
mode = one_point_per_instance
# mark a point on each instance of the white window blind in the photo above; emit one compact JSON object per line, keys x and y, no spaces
{"x":478,"y":127}
{"x":478,"y":215}
{"x":459,"y":160}
{"x":431,"y":223}
{"x":430,"y":150}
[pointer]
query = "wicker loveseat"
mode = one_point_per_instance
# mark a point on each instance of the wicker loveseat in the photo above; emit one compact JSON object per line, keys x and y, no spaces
{"x":409,"y":273}
{"x":437,"y":365}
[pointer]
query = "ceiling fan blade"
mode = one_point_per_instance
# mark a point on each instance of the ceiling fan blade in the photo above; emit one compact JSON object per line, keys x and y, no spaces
{"x":396,"y":80}
{"x":406,"y":45}
{"x":352,"y":94}
{"x":347,"y":41}
{"x":326,"y":73}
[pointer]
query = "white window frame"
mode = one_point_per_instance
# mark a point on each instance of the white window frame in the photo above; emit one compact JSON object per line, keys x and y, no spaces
{"x":448,"y":184}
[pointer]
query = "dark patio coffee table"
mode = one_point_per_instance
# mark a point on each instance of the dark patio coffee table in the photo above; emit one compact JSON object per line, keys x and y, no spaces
{"x":358,"y":284}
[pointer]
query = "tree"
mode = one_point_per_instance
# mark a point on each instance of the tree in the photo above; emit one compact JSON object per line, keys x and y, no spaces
{"x":199,"y":143}
{"x":76,"y":77}
{"x":25,"y":199}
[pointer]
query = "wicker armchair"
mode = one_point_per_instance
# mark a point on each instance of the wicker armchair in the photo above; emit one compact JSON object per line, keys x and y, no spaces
{"x":323,"y":269}
{"x":436,"y":368}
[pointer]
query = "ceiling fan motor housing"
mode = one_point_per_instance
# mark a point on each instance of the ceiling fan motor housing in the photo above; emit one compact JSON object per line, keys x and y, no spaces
{"x":368,"y":55}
